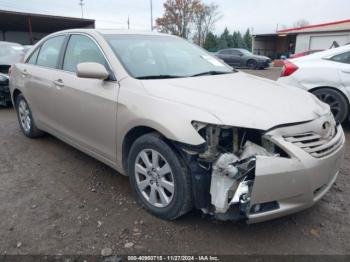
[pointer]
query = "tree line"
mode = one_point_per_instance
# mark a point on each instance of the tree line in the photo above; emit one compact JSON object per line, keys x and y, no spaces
{"x":214,"y":43}
{"x":195,"y":20}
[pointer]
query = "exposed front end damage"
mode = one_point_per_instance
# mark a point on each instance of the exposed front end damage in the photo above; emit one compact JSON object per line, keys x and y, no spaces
{"x":5,"y":97}
{"x":260,"y":175}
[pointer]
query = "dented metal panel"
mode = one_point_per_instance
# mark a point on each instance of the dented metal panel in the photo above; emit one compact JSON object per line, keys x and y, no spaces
{"x":263,"y":184}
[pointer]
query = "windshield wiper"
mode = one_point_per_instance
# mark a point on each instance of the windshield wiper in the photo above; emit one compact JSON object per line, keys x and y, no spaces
{"x":212,"y":73}
{"x":158,"y":77}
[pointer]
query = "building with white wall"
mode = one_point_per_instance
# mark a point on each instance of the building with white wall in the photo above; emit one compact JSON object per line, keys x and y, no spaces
{"x":301,"y":39}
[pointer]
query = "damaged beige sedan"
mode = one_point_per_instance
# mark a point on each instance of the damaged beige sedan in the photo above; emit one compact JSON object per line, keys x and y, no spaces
{"x":188,"y":130}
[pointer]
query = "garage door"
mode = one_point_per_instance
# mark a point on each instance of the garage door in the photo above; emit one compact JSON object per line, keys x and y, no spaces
{"x":325,"y":42}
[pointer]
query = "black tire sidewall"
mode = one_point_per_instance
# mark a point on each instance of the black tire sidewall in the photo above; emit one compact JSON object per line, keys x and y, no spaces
{"x":344,"y":105}
{"x":182,"y":190}
{"x":252,"y":64}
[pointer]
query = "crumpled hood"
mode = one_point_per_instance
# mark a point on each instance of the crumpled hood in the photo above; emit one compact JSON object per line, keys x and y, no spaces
{"x":240,"y":99}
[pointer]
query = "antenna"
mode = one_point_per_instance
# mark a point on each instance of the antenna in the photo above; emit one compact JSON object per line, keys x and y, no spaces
{"x":81,"y":3}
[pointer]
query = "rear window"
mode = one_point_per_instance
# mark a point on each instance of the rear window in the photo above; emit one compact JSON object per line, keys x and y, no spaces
{"x":342,"y":58}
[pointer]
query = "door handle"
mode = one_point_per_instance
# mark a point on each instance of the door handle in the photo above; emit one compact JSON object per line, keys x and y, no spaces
{"x":347,"y":71}
{"x":59,"y":83}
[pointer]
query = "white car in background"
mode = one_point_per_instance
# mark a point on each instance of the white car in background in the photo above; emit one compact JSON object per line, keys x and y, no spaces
{"x":326,"y":75}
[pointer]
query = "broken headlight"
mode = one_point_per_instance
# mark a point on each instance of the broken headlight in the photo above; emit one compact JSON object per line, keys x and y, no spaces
{"x":243,"y":142}
{"x":231,"y":154}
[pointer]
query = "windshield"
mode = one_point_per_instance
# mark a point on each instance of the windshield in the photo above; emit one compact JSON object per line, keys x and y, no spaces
{"x":156,"y":56}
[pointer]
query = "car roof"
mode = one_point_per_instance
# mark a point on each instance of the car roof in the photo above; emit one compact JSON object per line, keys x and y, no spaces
{"x":232,"y":48}
{"x":112,"y":32}
{"x":324,"y":54}
{"x":229,"y":49}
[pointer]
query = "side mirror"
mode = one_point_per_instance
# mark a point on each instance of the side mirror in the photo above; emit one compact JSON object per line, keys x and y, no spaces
{"x":92,"y":70}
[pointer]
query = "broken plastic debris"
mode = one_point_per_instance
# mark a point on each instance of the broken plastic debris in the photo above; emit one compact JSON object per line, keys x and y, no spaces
{"x":250,"y":149}
{"x":223,"y":165}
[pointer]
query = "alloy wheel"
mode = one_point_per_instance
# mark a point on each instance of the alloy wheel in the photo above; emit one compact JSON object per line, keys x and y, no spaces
{"x":154,"y":178}
{"x":24,"y":116}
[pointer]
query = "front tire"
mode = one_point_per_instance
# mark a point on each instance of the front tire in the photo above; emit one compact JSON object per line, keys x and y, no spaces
{"x":25,"y":118}
{"x":159,"y":177}
{"x":337,"y":102}
{"x":252,"y":64}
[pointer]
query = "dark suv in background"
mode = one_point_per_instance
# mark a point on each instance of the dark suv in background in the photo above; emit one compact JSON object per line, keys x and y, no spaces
{"x":238,"y":57}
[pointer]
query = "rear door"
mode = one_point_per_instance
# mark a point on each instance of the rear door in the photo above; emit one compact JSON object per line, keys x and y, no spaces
{"x":38,"y":74}
{"x":87,"y":108}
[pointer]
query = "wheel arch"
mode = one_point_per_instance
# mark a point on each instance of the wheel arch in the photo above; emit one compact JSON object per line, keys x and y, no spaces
{"x":138,"y":131}
{"x":130,"y":137}
{"x":15,"y":94}
{"x":339,"y":91}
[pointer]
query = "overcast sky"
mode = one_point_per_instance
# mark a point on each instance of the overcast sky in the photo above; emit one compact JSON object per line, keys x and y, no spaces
{"x":262,"y":15}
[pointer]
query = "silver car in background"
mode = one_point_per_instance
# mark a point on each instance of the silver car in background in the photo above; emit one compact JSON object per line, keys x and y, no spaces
{"x":188,"y":130}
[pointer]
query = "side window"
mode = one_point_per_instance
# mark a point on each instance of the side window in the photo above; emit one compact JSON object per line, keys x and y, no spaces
{"x":235,"y":52}
{"x":81,"y":49}
{"x":226,"y":52}
{"x":50,"y":51}
{"x":33,"y":57}
{"x":342,"y":58}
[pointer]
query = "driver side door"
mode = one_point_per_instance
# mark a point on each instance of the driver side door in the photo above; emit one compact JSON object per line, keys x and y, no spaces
{"x":236,"y":57}
{"x":87,"y":108}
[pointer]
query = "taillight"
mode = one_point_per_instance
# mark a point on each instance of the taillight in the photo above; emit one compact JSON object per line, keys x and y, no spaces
{"x":288,"y":68}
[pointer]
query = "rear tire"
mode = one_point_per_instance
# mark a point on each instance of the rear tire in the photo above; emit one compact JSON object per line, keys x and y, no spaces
{"x":25,"y":118}
{"x":336,"y":100}
{"x":164,"y":191}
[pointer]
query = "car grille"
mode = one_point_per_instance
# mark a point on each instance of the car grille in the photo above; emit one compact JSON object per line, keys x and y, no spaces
{"x":315,"y":144}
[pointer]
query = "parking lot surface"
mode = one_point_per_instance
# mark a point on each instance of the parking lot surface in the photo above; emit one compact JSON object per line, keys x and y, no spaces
{"x":57,"y":200}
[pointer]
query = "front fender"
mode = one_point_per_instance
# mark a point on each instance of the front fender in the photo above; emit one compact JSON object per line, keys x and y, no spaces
{"x":170,"y":119}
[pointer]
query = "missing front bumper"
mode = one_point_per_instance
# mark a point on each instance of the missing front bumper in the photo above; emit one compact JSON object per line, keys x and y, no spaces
{"x":281,"y":186}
